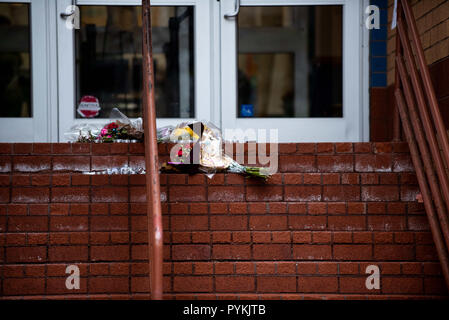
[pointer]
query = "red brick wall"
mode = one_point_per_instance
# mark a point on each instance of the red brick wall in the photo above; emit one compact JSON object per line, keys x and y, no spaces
{"x":309,"y":232}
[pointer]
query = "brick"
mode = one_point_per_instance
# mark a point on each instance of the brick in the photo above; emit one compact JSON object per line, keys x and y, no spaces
{"x":200,"y":237}
{"x":25,"y":254}
{"x":295,"y":178}
{"x":362,"y":147}
{"x":295,"y":164}
{"x":230,"y":223}
{"x":373,"y":163}
{"x":203,"y":268}
{"x":346,"y":223}
{"x":302,"y":193}
{"x":109,"y":253}
{"x":402,"y":163}
{"x":30,"y":195}
{"x":317,"y":284}
{"x":335,"y":163}
{"x":402,"y":285}
{"x":281,"y":237}
{"x":343,"y":147}
{"x":271,"y":251}
{"x":234,"y":284}
{"x":6,"y":148}
{"x":245,"y":268}
{"x":276,"y":284}
{"x":383,"y":237}
{"x":321,"y":237}
{"x":192,"y":284}
{"x":297,"y":208}
{"x":191,"y":252}
{"x":110,"y":194}
{"x":187,"y":193}
{"x":27,"y":224}
{"x":221,"y":237}
{"x":393,"y":252}
{"x":18,"y":209}
{"x":5,"y":164}
{"x":264,"y":193}
{"x":336,"y":208}
{"x":67,"y":253}
{"x":30,"y":163}
{"x":234,"y":251}
{"x":380,"y":193}
{"x":317,"y":208}
{"x":59,"y":209}
{"x":235,"y":208}
{"x":353,"y":252}
{"x":312,"y":252}
{"x":224,"y":268}
{"x":268,"y":222}
{"x":307,"y":222}
{"x":302,"y":237}
{"x":355,"y":285}
{"x":71,"y":223}
{"x":21,"y":180}
{"x":225,"y":193}
{"x":327,"y":268}
{"x":341,"y":193}
{"x":40,"y":180}
{"x":30,"y":286}
{"x":181,"y":223}
{"x":386,"y":223}
{"x":36,"y":239}
{"x":70,"y":194}
{"x":109,"y":285}
{"x":348,"y":268}
{"x":330,"y":178}
{"x":71,"y":163}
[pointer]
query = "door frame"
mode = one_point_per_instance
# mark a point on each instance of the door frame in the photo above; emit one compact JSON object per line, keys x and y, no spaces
{"x":353,"y":127}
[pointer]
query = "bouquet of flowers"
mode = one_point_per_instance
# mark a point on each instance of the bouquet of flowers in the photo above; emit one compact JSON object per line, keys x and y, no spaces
{"x":203,"y":142}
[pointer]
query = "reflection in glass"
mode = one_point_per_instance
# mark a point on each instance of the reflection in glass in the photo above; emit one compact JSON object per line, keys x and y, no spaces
{"x":15,"y":79}
{"x":290,"y":62}
{"x":109,"y":59}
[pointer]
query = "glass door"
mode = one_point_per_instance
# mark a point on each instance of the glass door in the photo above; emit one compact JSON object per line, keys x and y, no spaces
{"x":24,"y":105}
{"x":101,"y":63}
{"x":293,"y":66}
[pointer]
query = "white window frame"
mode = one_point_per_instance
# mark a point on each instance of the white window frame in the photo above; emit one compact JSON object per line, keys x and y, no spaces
{"x":202,"y":52}
{"x":353,"y":127}
{"x":42,"y":126}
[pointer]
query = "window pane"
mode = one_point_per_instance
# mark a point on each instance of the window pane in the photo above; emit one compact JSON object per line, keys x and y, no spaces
{"x":290,"y":62}
{"x":109,"y":59}
{"x":15,"y":64}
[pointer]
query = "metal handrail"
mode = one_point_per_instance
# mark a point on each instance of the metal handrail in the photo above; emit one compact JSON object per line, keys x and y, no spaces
{"x":425,"y":134}
{"x":154,"y":213}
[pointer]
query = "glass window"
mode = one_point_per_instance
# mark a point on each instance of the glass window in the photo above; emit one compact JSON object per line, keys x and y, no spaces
{"x":290,"y":62}
{"x":109,"y":59}
{"x":15,"y":63}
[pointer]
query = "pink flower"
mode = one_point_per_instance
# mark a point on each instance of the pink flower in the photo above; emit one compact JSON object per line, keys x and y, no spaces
{"x":104,"y":131}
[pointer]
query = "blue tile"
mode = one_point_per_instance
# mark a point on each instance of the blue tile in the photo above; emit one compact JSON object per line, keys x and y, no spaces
{"x":378,"y":64}
{"x":383,"y":16}
{"x":378,"y":80}
{"x":378,"y":48}
{"x":380,"y":3}
{"x":379,"y":34}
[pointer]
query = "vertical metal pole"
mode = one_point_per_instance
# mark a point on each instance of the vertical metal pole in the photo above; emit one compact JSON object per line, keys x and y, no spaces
{"x":155,"y":236}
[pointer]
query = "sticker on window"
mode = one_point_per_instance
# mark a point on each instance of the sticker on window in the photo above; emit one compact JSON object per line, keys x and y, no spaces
{"x":89,"y":107}
{"x":247,"y":110}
